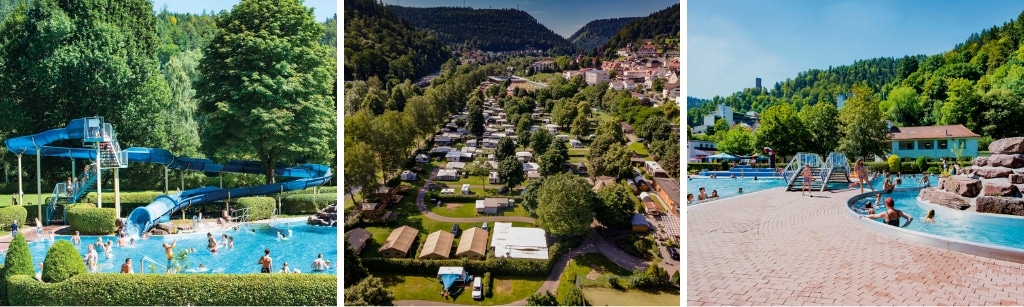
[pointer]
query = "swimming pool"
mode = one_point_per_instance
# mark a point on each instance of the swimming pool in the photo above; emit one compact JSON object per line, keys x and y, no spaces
{"x":728,"y":187}
{"x":302,"y":247}
{"x":1004,"y":231}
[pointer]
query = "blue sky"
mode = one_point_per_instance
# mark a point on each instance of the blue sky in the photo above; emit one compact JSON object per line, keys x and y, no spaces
{"x":322,"y":9}
{"x":563,"y":17}
{"x":729,"y":43}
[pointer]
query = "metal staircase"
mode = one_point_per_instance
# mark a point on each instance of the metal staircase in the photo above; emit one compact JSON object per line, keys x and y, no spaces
{"x":57,"y":203}
{"x":834,"y":169}
{"x":838,"y":169}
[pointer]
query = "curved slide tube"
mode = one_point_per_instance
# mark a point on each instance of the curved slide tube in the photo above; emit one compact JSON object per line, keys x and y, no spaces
{"x":143,"y":218}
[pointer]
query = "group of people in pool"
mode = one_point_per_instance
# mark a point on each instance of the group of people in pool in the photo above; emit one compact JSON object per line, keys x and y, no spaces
{"x":890,"y":215}
{"x":703,"y":196}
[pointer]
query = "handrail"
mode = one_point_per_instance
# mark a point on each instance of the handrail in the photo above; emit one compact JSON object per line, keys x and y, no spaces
{"x":797,"y":163}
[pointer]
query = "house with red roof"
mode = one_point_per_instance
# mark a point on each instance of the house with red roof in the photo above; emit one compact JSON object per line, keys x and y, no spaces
{"x":933,"y":141}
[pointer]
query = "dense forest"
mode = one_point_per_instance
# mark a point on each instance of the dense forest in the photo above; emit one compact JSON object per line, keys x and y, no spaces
{"x":485,"y":29}
{"x":140,"y":70}
{"x":596,"y":33}
{"x":661,"y":26}
{"x":380,"y":44}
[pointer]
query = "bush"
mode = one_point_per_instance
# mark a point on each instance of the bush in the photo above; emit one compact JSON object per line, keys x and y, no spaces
{"x":144,"y":197}
{"x":894,"y":163}
{"x":18,"y":262}
{"x":921,"y":163}
{"x":574,"y":297}
{"x":488,"y":284}
{"x":933,"y":170}
{"x":613,"y":281}
{"x":32,"y":212}
{"x":178,"y":290}
{"x":984,"y":141}
{"x":62,"y":262}
{"x":909,"y":168}
{"x":90,"y":220}
{"x":259,"y":207}
{"x":306,"y":203}
{"x":702,"y":166}
{"x":11,"y":213}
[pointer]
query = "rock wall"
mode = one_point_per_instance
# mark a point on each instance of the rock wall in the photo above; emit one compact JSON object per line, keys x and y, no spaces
{"x":992,"y":184}
{"x":326,"y":217}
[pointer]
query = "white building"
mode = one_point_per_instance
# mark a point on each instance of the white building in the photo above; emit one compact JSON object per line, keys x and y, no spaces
{"x":519,"y":242}
{"x":622,"y":84}
{"x":595,"y":76}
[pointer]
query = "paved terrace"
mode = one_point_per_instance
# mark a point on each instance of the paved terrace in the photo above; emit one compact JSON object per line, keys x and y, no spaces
{"x":781,"y":248}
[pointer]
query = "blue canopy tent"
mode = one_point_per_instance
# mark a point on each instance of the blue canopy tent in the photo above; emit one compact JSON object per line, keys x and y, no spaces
{"x":723,"y":156}
{"x":451,"y":274}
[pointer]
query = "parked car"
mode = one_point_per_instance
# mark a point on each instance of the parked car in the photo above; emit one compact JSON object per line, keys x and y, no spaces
{"x":455,"y":230}
{"x":478,"y":289}
{"x":674,"y":253}
{"x":502,"y":190}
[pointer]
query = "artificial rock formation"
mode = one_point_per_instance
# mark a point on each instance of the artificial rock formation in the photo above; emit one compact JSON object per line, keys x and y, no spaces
{"x":326,"y":217}
{"x":943,"y":198}
{"x":1010,"y":146}
{"x":990,"y":185}
{"x":1001,"y":205}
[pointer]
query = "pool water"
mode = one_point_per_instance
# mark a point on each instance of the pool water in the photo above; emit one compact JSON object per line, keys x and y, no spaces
{"x":1005,"y":231}
{"x":302,"y":247}
{"x":728,"y":187}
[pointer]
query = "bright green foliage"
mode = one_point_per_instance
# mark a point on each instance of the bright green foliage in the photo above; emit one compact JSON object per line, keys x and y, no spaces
{"x":380,"y":44}
{"x":565,"y":205}
{"x":903,"y":107}
{"x":922,"y":163}
{"x":738,"y":140}
{"x":1003,"y":114}
{"x":962,"y":106}
{"x":721,"y":127}
{"x":782,"y":130}
{"x":267,"y":87}
{"x":662,"y":26}
{"x":614,"y":162}
{"x":90,"y":220}
{"x":307,"y":203}
{"x":822,"y":123}
{"x":615,"y":206}
{"x":389,"y":136}
{"x":18,"y":260}
{"x":864,"y":131}
{"x":11,"y":213}
{"x":545,"y":299}
{"x":510,"y":171}
{"x":178,"y":116}
{"x":360,"y":168}
{"x":354,"y":270}
{"x":573,"y":298}
{"x":530,"y":196}
{"x":894,"y":163}
{"x":540,"y":140}
{"x":506,"y":148}
{"x":259,"y":207}
{"x":475,"y":120}
{"x":654,"y":128}
{"x":552,"y":163}
{"x":62,"y":262}
{"x":369,"y":292}
{"x":187,"y":289}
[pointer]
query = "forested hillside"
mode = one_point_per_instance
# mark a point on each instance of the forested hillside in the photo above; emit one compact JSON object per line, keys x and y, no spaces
{"x":661,"y":26}
{"x":380,"y":44}
{"x":484,"y":29}
{"x":596,"y":33}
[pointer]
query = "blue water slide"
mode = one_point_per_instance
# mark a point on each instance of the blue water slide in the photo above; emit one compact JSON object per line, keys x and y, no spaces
{"x":143,"y":218}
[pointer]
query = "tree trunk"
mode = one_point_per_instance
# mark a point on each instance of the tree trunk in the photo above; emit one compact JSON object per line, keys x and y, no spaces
{"x":268,"y":171}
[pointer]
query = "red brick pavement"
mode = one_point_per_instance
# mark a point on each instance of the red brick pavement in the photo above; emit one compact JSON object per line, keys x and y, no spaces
{"x":780,"y":248}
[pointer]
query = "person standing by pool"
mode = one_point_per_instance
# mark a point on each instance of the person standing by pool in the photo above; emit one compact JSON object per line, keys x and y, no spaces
{"x":891,"y":215}
{"x":77,"y":238}
{"x":127,"y":268}
{"x":212,"y":242}
{"x":806,"y":173}
{"x":169,"y":249}
{"x":266,"y":263}
{"x":91,"y":258}
{"x":862,"y":175}
{"x":39,"y":230}
{"x":703,"y":195}
{"x":924,"y":182}
{"x":888,"y":186}
{"x":14,"y":227}
{"x":319,"y":264}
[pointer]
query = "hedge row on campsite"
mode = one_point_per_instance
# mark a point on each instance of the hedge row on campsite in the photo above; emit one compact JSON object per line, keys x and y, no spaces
{"x":89,"y":220}
{"x":307,"y":203}
{"x":459,"y":198}
{"x":100,"y":289}
{"x":494,"y":265}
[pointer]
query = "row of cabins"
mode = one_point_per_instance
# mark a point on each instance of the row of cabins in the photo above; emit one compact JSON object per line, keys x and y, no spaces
{"x":515,"y":242}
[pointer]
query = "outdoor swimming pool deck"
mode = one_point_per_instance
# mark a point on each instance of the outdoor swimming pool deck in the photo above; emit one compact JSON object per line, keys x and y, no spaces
{"x":781,"y":248}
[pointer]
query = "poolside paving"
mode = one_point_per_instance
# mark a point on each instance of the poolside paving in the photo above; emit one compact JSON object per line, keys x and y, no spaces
{"x":781,"y":248}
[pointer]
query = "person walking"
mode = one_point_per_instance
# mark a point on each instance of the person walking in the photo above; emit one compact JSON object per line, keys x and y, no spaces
{"x":862,"y":175}
{"x":808,"y":178}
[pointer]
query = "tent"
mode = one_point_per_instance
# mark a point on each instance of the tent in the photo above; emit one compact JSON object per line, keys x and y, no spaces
{"x":450,"y":274}
{"x":698,"y":154}
{"x":723,"y":156}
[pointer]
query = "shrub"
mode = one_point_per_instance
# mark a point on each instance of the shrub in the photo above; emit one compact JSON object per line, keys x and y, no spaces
{"x":144,"y":197}
{"x":11,"y":213}
{"x":702,"y":166}
{"x":178,"y":290}
{"x":90,"y":220}
{"x":306,"y":203}
{"x":31,"y":213}
{"x":62,"y":262}
{"x":909,"y":168}
{"x":259,"y":207}
{"x":921,"y":163}
{"x":18,"y":262}
{"x":488,"y":284}
{"x":984,"y":141}
{"x":894,"y":163}
{"x":675,"y":279}
{"x":574,"y":297}
{"x":877,"y":166}
{"x":933,"y":170}
{"x":613,"y":281}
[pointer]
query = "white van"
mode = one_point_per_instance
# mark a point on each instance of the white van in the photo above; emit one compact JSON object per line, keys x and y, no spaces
{"x":478,"y":289}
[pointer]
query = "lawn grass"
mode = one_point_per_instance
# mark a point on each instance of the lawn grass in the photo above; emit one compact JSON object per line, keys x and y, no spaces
{"x":30,"y":198}
{"x":544,"y":77}
{"x":601,"y":296}
{"x":460,"y":210}
{"x":638,"y":148}
{"x":418,"y":287}
{"x":605,"y":268}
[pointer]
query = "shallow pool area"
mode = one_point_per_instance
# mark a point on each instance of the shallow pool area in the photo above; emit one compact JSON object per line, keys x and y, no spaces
{"x":998,"y":230}
{"x":301,"y":247}
{"x":728,"y":187}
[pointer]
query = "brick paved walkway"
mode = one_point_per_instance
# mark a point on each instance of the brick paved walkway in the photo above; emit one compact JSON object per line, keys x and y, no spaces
{"x":780,"y":248}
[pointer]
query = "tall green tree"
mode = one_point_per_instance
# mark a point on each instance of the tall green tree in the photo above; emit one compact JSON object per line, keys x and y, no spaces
{"x":565,"y":205}
{"x":545,"y":299}
{"x":822,"y":123}
{"x":738,"y":140}
{"x":267,"y":86}
{"x":369,"y":292}
{"x":506,"y":148}
{"x":864,"y":131}
{"x":654,"y":128}
{"x":903,"y":107}
{"x":540,"y":141}
{"x":475,"y":120}
{"x":616,"y":206}
{"x":510,"y":170}
{"x":179,"y":115}
{"x":781,"y":130}
{"x":354,"y":270}
{"x":721,"y":127}
{"x":360,"y":169}
{"x":962,"y":106}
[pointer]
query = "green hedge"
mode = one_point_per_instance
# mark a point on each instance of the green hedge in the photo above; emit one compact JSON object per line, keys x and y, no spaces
{"x":259,"y":207}
{"x":90,"y":220}
{"x":307,"y":203}
{"x":500,"y":266}
{"x":32,"y":213}
{"x":99,"y":289}
{"x":488,"y":282}
{"x":323,"y":190}
{"x":18,"y":262}
{"x":62,"y":262}
{"x":11,"y":213}
{"x":702,"y":166}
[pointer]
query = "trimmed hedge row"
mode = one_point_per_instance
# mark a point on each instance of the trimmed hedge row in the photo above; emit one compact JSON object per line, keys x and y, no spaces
{"x":488,"y":282}
{"x":259,"y":207}
{"x":32,"y":212}
{"x":323,"y":190}
{"x":178,"y":290}
{"x":11,"y":213}
{"x":90,"y":220}
{"x":459,"y":198}
{"x":500,"y":266}
{"x":307,"y":203}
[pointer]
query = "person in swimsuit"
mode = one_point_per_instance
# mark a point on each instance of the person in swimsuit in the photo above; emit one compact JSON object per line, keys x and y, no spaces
{"x":76,"y":239}
{"x":806,"y":173}
{"x":212,"y":245}
{"x":862,"y":175}
{"x":127,"y":268}
{"x":91,"y":258}
{"x":869,"y":208}
{"x":888,"y":186}
{"x":169,"y":249}
{"x":714,"y":194}
{"x":930,"y":217}
{"x":924,"y":182}
{"x":39,"y":230}
{"x":891,"y":215}
{"x":266,"y":263}
{"x":319,"y":264}
{"x":703,"y":195}
{"x":689,"y":198}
